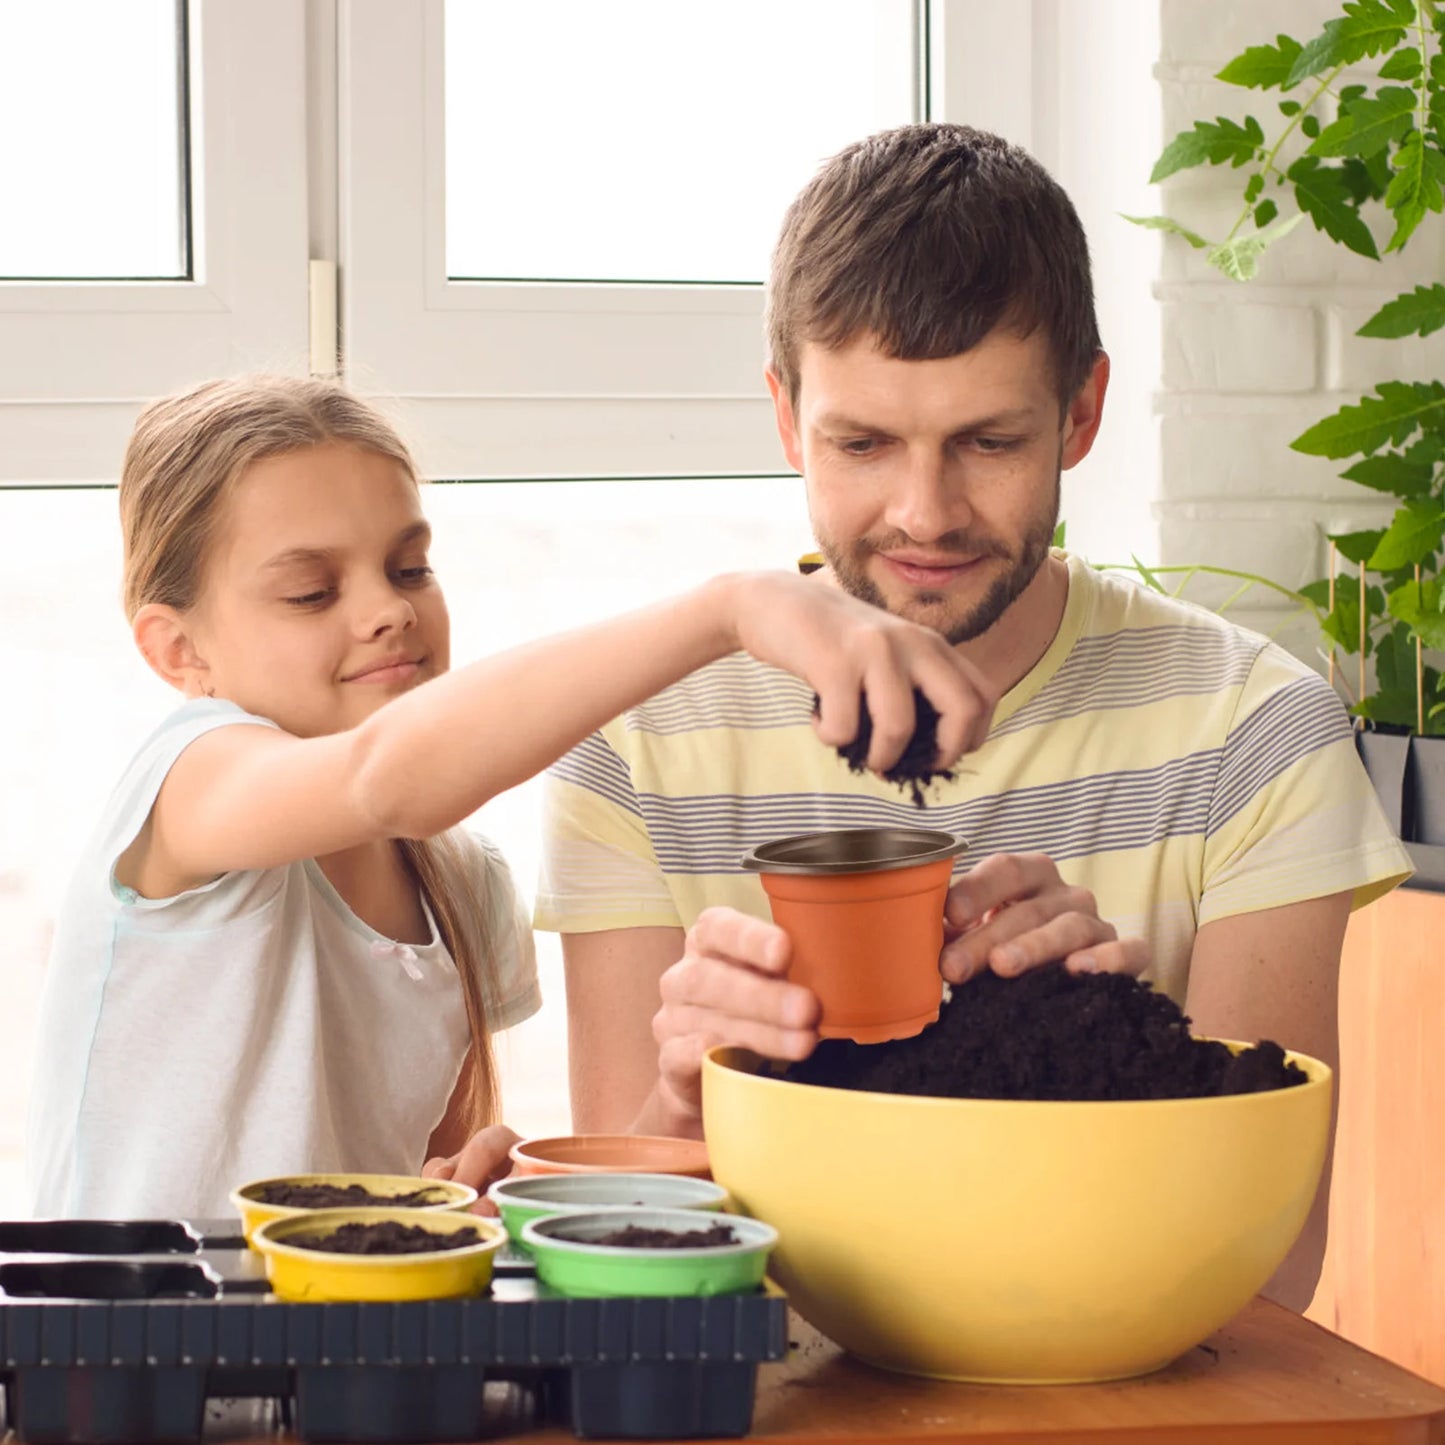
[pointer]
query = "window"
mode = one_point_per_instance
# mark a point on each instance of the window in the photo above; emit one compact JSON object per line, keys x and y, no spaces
{"x":85,"y":199}
{"x":78,"y":356}
{"x":652,"y":141}
{"x":512,"y":343}
{"x":505,"y":150}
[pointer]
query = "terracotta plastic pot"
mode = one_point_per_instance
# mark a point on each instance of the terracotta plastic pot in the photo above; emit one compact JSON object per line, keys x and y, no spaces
{"x":863,"y":908}
{"x":610,"y":1154}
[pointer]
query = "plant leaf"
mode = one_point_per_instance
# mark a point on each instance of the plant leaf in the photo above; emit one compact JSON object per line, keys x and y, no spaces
{"x":1402,"y":65}
{"x":1368,"y":124}
{"x":1418,"y":606}
{"x":1356,"y":546}
{"x":1326,"y":196}
{"x":1168,"y":223}
{"x":1415,"y":188}
{"x":1239,"y":258}
{"x":1392,"y":473}
{"x":1263,"y":66}
{"x":1396,"y":707}
{"x":1413,"y":535}
{"x":1317,"y":592}
{"x":1377,"y":421}
{"x":1146,"y":574}
{"x":1264,"y":213}
{"x":1342,"y":624}
{"x":1366,"y":28}
{"x":1412,"y":313}
{"x":1214,"y":141}
{"x":1428,"y":450}
{"x":1060,"y":532}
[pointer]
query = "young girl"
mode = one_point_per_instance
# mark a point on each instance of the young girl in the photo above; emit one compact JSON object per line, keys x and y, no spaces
{"x":279,"y":954}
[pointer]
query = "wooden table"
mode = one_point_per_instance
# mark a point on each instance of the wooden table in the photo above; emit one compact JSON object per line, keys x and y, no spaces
{"x":1268,"y":1378}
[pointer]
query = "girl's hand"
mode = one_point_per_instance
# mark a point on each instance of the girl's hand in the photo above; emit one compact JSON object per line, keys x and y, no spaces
{"x":480,"y":1162}
{"x":846,"y":648}
{"x":1014,"y":912}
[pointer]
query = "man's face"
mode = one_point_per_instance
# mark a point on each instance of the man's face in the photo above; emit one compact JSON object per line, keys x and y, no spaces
{"x":933,"y":486}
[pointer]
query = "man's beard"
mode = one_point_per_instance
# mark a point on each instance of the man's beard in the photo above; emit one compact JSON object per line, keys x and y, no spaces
{"x":850,"y":570}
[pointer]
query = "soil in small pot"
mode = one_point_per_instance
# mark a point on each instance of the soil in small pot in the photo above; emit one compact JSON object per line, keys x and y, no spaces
{"x":1051,"y":1034}
{"x":914,"y":770}
{"x":341,"y":1196}
{"x":386,"y":1236}
{"x":637,"y":1236}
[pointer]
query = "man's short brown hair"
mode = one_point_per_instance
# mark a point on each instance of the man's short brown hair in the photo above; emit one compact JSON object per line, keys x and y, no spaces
{"x":928,"y":237}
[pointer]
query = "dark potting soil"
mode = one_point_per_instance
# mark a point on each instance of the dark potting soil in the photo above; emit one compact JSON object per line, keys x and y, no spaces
{"x":637,"y":1236}
{"x":914,"y":770}
{"x":1051,"y":1034}
{"x":341,"y":1196}
{"x":385,"y":1236}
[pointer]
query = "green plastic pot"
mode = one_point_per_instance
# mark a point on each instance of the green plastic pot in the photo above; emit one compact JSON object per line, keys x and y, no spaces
{"x":521,"y":1199}
{"x":571,"y":1264}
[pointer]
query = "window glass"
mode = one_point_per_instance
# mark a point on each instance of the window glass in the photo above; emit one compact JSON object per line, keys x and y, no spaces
{"x":636,"y":140}
{"x":91,"y":168}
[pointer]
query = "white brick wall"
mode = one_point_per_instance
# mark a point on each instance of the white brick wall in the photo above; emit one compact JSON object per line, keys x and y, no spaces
{"x":1247,"y":367}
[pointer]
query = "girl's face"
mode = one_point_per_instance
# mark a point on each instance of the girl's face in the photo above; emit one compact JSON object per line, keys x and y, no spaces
{"x":317,"y":603}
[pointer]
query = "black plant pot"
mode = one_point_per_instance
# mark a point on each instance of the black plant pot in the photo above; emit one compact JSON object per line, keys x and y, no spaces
{"x":1408,"y":772}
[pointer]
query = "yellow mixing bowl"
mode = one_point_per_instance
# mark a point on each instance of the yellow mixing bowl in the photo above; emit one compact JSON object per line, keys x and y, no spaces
{"x":320,"y":1277}
{"x":1020,"y":1241}
{"x":448,"y":1195}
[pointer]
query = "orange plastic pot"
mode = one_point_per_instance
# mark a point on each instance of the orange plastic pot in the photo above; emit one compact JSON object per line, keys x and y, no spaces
{"x":863,"y":908}
{"x":611,"y":1154}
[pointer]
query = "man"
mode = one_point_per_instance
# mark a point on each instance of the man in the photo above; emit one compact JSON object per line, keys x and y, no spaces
{"x":1159,"y":791}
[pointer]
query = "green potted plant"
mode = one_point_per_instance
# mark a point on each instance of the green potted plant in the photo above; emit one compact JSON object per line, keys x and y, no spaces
{"x":1361,"y":161}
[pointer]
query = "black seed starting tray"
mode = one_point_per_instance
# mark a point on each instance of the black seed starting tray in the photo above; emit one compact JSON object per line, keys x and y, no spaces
{"x":123,"y":1331}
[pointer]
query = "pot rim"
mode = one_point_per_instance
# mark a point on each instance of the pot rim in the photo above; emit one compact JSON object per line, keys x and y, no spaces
{"x":853,"y":850}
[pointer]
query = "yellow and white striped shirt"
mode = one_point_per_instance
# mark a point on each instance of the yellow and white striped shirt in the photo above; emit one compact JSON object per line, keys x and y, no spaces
{"x":1181,"y":768}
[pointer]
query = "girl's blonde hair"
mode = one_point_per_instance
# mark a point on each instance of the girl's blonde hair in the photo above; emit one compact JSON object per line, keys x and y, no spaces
{"x":185,"y":454}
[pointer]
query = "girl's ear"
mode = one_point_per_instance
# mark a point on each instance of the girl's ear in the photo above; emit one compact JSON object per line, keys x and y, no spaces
{"x":166,"y":642}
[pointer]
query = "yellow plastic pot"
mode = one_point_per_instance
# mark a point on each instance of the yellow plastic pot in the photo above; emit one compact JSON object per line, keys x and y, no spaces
{"x":448,"y":1195}
{"x":1022,"y":1242}
{"x":321,"y":1277}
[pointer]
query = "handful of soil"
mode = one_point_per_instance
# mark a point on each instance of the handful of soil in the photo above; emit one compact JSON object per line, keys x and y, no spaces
{"x":637,"y":1236}
{"x":386,"y":1236}
{"x":1051,"y":1034}
{"x":342,"y":1196}
{"x":914,"y":770}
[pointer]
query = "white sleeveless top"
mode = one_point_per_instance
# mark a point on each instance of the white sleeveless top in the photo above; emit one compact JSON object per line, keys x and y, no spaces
{"x":250,"y":1027}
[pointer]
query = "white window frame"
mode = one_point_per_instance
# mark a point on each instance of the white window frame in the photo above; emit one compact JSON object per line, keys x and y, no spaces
{"x":79,"y":358}
{"x":507,"y":379}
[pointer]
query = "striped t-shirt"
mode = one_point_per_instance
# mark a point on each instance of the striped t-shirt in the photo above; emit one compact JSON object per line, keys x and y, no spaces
{"x":1181,"y":768}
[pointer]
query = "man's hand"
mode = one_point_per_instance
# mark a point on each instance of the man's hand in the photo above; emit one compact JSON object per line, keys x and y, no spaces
{"x":480,"y":1162}
{"x":1013,"y":912}
{"x":729,"y":987}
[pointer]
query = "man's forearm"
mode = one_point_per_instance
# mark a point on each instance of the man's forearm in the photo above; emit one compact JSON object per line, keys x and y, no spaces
{"x":1293,"y":1284}
{"x":663,"y":1114}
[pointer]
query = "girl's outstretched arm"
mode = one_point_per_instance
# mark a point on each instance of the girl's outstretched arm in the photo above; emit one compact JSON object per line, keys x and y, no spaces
{"x":252,"y":797}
